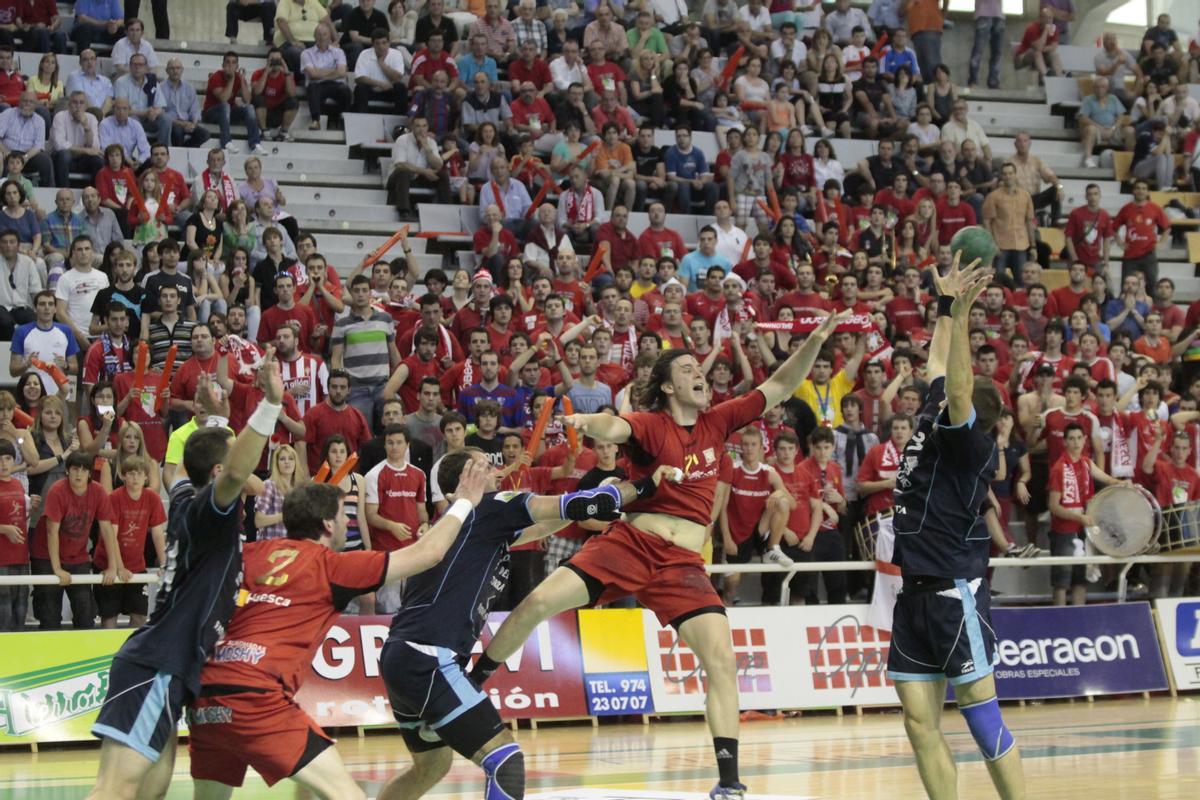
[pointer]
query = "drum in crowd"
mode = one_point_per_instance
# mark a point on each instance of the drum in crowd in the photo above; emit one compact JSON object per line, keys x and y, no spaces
{"x":1128,"y":521}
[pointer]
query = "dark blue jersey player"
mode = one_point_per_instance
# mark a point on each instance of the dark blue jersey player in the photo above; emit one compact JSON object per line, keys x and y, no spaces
{"x":942,"y":628}
{"x":442,"y":614}
{"x":157,"y":670}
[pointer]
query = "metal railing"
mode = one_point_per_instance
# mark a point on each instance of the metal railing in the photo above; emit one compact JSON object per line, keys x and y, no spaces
{"x":721,"y":569}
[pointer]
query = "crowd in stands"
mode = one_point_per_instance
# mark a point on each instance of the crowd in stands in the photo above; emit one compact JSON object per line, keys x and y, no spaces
{"x":543,"y":116}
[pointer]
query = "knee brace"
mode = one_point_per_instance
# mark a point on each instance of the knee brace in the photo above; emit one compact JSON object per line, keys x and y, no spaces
{"x":505,"y":771}
{"x":988,"y":728}
{"x":603,"y":503}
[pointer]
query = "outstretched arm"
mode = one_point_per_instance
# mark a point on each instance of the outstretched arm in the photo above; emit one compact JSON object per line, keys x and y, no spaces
{"x":247,"y":449}
{"x":599,"y":503}
{"x":604,"y":427}
{"x":792,"y":372}
{"x":432,"y":547}
{"x":960,"y":379}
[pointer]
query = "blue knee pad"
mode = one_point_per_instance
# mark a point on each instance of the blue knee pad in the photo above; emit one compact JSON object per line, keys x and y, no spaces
{"x":602,"y":503}
{"x":505,"y":771}
{"x":988,"y":728}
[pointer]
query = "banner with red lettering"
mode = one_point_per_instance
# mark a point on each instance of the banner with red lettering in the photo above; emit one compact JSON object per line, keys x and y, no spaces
{"x":544,"y":679}
{"x":855,"y":323}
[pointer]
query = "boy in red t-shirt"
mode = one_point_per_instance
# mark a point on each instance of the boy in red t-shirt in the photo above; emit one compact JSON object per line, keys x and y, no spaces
{"x":136,"y":513}
{"x":14,"y":547}
{"x":60,"y":545}
{"x":825,"y":481}
{"x":1072,"y":486}
{"x":757,"y":511}
{"x":395,"y":504}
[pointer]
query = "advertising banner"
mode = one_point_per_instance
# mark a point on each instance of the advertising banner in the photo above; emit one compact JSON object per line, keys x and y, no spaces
{"x":614,"y":661}
{"x":1179,"y":621}
{"x":811,"y":657}
{"x":52,"y":683}
{"x":544,"y":679}
{"x":1077,"y":651}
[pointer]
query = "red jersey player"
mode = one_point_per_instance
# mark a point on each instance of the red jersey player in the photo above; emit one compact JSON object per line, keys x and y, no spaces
{"x":292,"y":590}
{"x":757,"y":510}
{"x":1072,"y":486}
{"x":654,"y":553}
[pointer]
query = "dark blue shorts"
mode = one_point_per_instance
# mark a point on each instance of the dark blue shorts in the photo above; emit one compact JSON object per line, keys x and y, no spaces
{"x":429,"y":691}
{"x":942,"y":629}
{"x":142,"y":708}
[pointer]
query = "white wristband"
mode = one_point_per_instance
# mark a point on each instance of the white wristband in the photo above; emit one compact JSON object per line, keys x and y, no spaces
{"x":460,"y":510}
{"x":262,"y":421}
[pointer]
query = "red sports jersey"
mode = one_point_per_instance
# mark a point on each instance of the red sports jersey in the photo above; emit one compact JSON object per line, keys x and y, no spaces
{"x":798,"y":485}
{"x":1073,"y":481}
{"x":1066,"y":300}
{"x":74,"y":515}
{"x":819,"y":478}
{"x":1101,"y":369}
{"x":276,"y":317}
{"x":1142,"y":224}
{"x":133,"y":520}
{"x":659,"y":440}
{"x":952,"y":219}
{"x":748,"y":493}
{"x":701,"y":305}
{"x":1057,"y":419}
{"x":14,"y":510}
{"x":882,"y":462}
{"x":1062,"y":370}
{"x":1174,"y":485}
{"x":306,"y":378}
{"x":905,"y":314}
{"x":397,"y":492}
{"x":802,"y":304}
{"x":292,"y":590}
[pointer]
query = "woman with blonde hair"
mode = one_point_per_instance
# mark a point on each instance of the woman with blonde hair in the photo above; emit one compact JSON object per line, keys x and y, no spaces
{"x":46,"y":448}
{"x":131,"y":441}
{"x":268,"y":508}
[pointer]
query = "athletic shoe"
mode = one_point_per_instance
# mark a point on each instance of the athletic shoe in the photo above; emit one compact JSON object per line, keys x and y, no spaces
{"x":1090,"y":162}
{"x":287,"y":136}
{"x":807,"y":130}
{"x":232,"y":148}
{"x":735,"y":792}
{"x":827,"y":133}
{"x":776,"y":556}
{"x":1023,"y":551}
{"x":259,"y":150}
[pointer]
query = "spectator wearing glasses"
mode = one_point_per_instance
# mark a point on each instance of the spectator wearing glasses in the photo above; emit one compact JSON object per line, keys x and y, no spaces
{"x":146,"y":102}
{"x":87,"y":79}
{"x":130,"y":44}
{"x":22,"y":129}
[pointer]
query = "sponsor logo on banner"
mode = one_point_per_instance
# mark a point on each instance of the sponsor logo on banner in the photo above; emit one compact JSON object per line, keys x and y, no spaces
{"x":1076,"y":651}
{"x":544,"y":679}
{"x":1179,"y":620}
{"x":614,"y":662}
{"x":43,"y":696}
{"x":848,"y":655}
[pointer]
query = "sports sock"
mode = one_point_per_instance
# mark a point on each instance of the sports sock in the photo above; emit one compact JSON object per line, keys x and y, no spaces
{"x":727,"y":759}
{"x":483,"y":669}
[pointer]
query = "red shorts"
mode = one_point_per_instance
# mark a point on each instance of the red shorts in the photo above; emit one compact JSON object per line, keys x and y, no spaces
{"x":666,"y":579}
{"x":264,"y":730}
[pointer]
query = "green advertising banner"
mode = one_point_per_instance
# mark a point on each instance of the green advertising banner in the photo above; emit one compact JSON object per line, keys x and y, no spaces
{"x":53,"y":683}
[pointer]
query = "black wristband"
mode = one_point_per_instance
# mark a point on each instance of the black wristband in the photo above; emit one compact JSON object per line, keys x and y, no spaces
{"x":645,"y":487}
{"x":944,"y":303}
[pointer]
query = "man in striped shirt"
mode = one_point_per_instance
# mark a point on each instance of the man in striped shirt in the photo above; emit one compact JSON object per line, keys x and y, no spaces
{"x":364,"y":345}
{"x":305,"y":376}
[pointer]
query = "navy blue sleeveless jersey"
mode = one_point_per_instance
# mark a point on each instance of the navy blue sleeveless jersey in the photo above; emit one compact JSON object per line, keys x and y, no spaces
{"x":199,"y":588}
{"x":447,"y":605}
{"x":941,"y":489}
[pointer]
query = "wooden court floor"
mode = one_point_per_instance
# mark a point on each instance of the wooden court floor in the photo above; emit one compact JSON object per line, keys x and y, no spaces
{"x":1107,"y":750}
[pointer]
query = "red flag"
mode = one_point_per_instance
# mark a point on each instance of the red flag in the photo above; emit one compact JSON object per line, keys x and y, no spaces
{"x":877,"y":50}
{"x":730,"y":67}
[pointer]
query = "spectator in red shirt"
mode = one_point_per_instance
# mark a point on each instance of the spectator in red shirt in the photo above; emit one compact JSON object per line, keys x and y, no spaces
{"x":203,"y":361}
{"x":528,"y":68}
{"x":953,"y":213}
{"x":895,"y":199}
{"x":1164,"y":303}
{"x":824,"y":478}
{"x":12,"y":83}
{"x":1140,"y":224}
{"x":1067,"y":298}
{"x":1039,"y":45}
{"x":623,"y":246}
{"x":273,"y":93}
{"x":658,"y":240}
{"x":1176,"y":484}
{"x":1152,"y":342}
{"x":137,"y":513}
{"x":334,"y":415}
{"x":1089,"y":232}
{"x":494,"y":243}
{"x":287,"y":311}
{"x":1071,"y":487}
{"x":228,"y":99}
